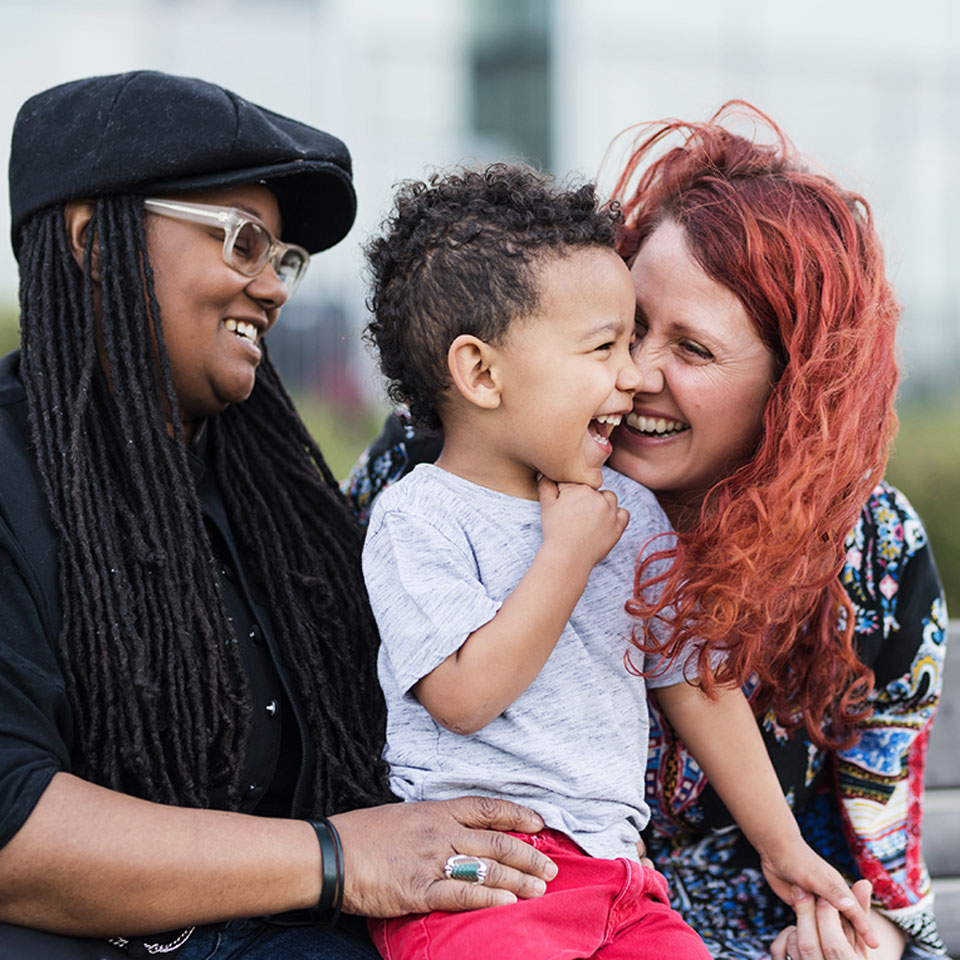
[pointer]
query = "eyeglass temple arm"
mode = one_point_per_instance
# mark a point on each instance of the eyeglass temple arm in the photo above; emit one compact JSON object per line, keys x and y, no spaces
{"x":189,"y":211}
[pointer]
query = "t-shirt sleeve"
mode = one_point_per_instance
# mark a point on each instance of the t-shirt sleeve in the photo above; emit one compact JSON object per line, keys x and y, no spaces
{"x":424,"y":591}
{"x":34,"y":714}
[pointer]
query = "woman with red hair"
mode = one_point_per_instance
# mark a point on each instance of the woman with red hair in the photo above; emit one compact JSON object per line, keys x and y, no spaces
{"x":765,"y":336}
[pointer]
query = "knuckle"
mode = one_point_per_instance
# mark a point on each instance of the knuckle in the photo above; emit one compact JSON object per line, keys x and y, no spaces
{"x":501,"y":846}
{"x":431,"y":841}
{"x":806,"y":947}
{"x":526,"y":887}
{"x":465,"y":895}
{"x":489,"y":808}
{"x":497,"y":876}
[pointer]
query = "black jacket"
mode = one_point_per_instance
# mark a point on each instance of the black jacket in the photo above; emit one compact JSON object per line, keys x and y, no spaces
{"x":36,"y":723}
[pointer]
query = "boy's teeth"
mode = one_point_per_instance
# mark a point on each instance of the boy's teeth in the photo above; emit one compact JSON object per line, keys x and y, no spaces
{"x":659,"y":425}
{"x":613,"y":418}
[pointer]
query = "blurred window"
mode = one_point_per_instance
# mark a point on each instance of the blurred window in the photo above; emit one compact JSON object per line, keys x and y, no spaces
{"x":510,"y":66}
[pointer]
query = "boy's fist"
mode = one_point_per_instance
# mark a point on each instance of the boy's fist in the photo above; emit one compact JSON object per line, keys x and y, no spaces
{"x":579,"y":519}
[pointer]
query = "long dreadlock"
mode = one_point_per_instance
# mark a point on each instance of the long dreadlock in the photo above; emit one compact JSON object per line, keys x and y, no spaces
{"x":156,"y":687}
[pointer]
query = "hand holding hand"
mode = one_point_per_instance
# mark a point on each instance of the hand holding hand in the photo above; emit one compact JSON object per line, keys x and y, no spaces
{"x":820,"y":932}
{"x":579,"y":520}
{"x":394,"y":856}
{"x":797,"y":869}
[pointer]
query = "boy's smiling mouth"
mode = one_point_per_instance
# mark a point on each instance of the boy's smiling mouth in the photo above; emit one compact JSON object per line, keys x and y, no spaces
{"x":601,"y":427}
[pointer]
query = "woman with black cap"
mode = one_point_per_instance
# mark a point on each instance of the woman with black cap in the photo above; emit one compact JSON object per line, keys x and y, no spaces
{"x":190,"y":721}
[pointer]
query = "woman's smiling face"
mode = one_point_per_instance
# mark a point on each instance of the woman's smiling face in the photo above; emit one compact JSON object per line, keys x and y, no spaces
{"x":706,"y":377}
{"x":206,"y":306}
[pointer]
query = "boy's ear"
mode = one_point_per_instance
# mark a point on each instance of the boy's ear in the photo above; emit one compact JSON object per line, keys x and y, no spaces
{"x":473,"y":368}
{"x":78,"y":214}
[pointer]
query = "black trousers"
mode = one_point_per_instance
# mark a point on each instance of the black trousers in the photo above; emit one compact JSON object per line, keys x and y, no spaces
{"x":22,"y":943}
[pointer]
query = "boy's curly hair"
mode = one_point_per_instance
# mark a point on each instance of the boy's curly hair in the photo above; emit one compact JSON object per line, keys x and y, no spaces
{"x":456,"y":257}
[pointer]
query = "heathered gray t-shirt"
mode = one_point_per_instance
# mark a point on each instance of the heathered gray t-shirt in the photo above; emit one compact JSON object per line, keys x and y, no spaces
{"x":441,"y":556}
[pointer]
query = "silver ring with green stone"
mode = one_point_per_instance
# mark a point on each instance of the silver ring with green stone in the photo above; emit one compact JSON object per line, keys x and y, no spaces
{"x":461,"y":867}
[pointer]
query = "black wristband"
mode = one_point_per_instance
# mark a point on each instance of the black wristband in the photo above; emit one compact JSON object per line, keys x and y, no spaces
{"x":338,"y":902}
{"x":331,"y":877}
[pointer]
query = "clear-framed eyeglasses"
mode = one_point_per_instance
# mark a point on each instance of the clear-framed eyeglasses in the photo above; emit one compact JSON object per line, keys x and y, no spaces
{"x":248,"y":244}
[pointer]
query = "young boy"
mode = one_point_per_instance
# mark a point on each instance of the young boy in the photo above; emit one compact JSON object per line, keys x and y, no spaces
{"x":498,"y":575}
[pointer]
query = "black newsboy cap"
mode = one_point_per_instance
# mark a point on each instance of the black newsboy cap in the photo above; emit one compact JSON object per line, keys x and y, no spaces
{"x":151,"y":133}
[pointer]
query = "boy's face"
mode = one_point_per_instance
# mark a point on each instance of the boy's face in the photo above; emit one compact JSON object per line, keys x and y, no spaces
{"x":566,"y":371}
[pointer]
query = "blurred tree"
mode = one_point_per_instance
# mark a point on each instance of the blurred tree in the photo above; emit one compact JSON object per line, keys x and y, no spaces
{"x":9,"y":328}
{"x":926,"y":466}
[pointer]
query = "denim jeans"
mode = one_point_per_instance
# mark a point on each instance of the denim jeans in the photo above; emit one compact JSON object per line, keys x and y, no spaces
{"x":236,"y":940}
{"x":256,"y":940}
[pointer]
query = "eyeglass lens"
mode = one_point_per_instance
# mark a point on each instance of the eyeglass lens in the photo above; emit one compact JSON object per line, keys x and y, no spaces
{"x":251,"y":249}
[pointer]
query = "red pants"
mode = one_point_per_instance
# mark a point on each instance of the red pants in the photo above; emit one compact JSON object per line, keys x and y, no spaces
{"x":603,"y":909}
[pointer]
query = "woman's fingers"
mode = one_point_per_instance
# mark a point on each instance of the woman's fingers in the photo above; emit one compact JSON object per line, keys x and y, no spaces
{"x":501,"y":885}
{"x":842,"y":898}
{"x":491,"y":814}
{"x":492,"y":817}
{"x":807,"y":934}
{"x":822,"y":933}
{"x":508,"y":851}
{"x":862,"y":890}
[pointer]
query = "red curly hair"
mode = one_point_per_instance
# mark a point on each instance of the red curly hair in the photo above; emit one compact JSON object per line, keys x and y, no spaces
{"x":758,"y":576}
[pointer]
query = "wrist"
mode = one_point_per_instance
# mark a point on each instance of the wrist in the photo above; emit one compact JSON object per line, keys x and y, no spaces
{"x":330,"y":900}
{"x":565,"y":561}
{"x":779,"y":845}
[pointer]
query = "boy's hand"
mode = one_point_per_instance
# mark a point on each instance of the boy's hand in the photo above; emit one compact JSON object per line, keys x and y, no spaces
{"x":798,"y":865}
{"x":579,"y":520}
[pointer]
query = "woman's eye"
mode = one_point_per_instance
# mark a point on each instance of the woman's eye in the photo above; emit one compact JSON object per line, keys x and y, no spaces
{"x":696,"y":350}
{"x":609,"y":345}
{"x":639,"y":332}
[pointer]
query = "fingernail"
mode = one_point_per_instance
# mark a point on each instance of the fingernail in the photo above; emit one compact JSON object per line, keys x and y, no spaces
{"x":846,"y":902}
{"x":539,"y":887}
{"x":551,"y":870}
{"x":799,"y":894}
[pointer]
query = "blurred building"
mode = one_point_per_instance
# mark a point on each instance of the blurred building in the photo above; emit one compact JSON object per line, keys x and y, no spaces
{"x":869,"y":90}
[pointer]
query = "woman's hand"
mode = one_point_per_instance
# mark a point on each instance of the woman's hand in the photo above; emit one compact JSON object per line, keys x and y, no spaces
{"x":394,"y":856}
{"x":821,"y":933}
{"x":796,"y":867}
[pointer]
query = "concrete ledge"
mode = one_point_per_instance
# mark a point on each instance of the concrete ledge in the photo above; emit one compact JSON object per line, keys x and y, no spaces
{"x":941,"y":832}
{"x":943,"y":754}
{"x":946,"y":892}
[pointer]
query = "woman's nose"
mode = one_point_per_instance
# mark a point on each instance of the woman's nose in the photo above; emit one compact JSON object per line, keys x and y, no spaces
{"x":268,"y":289}
{"x":650,"y":369}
